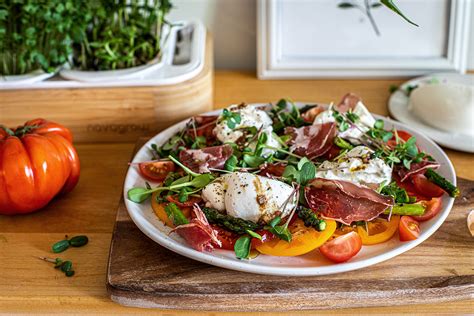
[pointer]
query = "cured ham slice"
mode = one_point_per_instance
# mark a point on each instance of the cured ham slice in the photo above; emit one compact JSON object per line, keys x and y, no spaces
{"x":345,"y":201}
{"x":270,"y":170}
{"x":312,"y":141}
{"x":200,"y":160}
{"x":415,"y":168}
{"x":348,"y":102}
{"x":198,"y":233}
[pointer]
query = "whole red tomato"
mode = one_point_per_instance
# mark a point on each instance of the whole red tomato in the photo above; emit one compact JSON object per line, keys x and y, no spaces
{"x":37,"y":161}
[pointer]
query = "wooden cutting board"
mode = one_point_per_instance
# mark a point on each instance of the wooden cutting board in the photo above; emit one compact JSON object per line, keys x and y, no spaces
{"x":141,"y":273}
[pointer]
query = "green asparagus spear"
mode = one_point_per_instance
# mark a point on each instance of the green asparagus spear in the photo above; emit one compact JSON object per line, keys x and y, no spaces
{"x":310,"y":218}
{"x":443,"y":183}
{"x":237,"y":225}
{"x":407,"y":209}
{"x":175,"y":214}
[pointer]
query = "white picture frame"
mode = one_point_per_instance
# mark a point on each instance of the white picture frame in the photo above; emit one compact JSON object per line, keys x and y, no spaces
{"x":272,"y":63}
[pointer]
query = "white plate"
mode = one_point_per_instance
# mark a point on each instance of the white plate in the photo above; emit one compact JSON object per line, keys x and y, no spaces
{"x":398,"y":107}
{"x":310,"y":264}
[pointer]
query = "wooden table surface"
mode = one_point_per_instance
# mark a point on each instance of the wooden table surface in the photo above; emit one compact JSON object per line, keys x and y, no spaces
{"x":30,"y":285}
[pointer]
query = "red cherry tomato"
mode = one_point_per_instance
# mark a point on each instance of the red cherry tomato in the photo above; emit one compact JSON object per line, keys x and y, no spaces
{"x":226,"y":238}
{"x":156,"y":170}
{"x":425,"y":186}
{"x":408,"y":228}
{"x":342,"y":248}
{"x":188,"y":203}
{"x":432,"y":208}
{"x":266,"y":236}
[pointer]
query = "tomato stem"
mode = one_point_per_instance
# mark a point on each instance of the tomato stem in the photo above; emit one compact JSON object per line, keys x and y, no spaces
{"x":6,"y":129}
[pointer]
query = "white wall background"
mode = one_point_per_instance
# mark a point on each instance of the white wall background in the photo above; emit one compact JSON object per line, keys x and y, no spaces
{"x":233,"y":25}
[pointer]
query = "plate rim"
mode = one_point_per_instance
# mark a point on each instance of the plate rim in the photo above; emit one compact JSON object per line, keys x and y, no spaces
{"x":147,"y":228}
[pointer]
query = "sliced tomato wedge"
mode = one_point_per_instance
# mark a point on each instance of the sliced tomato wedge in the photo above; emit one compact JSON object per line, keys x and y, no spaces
{"x":188,"y":203}
{"x":425,"y":186}
{"x":227,"y":238}
{"x":380,"y":230}
{"x":156,"y":170}
{"x":432,"y":208}
{"x":408,"y":228}
{"x":342,"y":248}
{"x":304,"y":239}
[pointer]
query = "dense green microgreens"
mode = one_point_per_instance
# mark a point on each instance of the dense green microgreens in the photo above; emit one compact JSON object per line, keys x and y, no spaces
{"x":232,"y":118}
{"x":399,"y":195}
{"x":282,"y":117}
{"x":120,"y":34}
{"x":303,"y":172}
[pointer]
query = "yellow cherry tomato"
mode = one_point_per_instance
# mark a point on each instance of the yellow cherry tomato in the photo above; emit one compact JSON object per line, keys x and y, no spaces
{"x":304,"y":239}
{"x":380,"y":230}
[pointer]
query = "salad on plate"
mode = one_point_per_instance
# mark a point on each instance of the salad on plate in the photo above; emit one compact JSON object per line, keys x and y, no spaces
{"x":280,"y":180}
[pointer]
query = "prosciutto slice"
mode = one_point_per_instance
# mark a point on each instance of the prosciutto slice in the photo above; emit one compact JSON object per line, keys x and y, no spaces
{"x":415,"y":168}
{"x":345,"y":201}
{"x":200,"y":160}
{"x":312,"y":141}
{"x":348,"y":102}
{"x":198,"y":233}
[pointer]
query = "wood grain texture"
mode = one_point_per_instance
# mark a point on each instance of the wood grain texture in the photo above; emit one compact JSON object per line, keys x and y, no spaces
{"x":141,"y":273}
{"x":28,"y":285}
{"x":113,"y":114}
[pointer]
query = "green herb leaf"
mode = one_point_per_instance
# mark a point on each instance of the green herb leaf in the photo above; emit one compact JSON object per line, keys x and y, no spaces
{"x":379,"y":124}
{"x":307,"y":173}
{"x":253,"y":234}
{"x":389,"y":4}
{"x":242,"y":247}
{"x":231,"y":163}
{"x":281,"y":232}
{"x":275,"y":221}
{"x":138,"y":195}
{"x":202,"y":180}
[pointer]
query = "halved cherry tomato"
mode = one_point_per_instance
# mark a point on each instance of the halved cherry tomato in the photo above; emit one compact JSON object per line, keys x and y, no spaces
{"x":304,"y":239}
{"x":266,"y":236}
{"x":188,"y":203}
{"x":342,"y":248}
{"x":156,"y":170}
{"x":380,"y":230}
{"x":159,"y":209}
{"x":226,"y":238}
{"x":432,"y":208}
{"x":408,"y":228}
{"x":425,"y":186}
